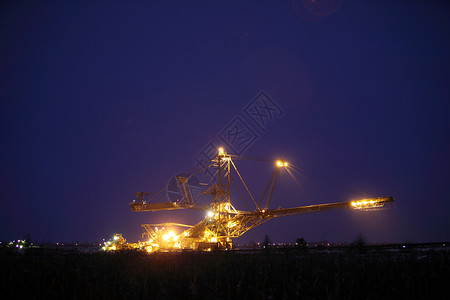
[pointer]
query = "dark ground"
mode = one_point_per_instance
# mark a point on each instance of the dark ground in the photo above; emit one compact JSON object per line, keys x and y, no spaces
{"x":272,"y":274}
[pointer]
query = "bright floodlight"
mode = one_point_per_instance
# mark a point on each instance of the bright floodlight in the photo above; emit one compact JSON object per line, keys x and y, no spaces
{"x":367,"y":204}
{"x":210,"y":214}
{"x":221,"y":151}
{"x":281,"y":163}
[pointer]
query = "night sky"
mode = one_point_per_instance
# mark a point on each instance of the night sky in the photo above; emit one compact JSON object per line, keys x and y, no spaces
{"x":102,"y":100}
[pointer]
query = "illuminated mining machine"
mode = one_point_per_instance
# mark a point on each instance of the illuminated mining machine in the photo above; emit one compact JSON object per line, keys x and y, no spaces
{"x":222,"y":222}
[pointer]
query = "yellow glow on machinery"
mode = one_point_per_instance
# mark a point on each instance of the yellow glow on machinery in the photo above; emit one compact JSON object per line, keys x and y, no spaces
{"x":222,"y":222}
{"x":281,"y":163}
{"x":367,"y":204}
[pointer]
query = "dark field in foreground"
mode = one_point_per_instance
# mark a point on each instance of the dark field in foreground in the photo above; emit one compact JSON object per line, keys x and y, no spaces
{"x":233,"y":275}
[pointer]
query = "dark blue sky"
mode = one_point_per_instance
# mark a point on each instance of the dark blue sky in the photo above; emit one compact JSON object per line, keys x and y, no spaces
{"x":102,"y":100}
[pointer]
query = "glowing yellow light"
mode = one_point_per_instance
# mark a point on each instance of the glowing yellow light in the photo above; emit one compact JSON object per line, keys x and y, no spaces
{"x":221,"y":151}
{"x":210,"y":214}
{"x":166,"y":237}
{"x":214,"y":240}
{"x":281,"y":163}
{"x":367,"y":204}
{"x":231,"y":224}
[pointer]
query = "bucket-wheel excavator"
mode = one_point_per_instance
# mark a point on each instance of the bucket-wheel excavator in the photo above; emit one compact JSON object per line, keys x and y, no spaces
{"x":223,"y":222}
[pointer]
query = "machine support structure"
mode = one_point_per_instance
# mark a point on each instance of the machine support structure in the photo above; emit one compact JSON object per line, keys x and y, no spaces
{"x":223,"y":222}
